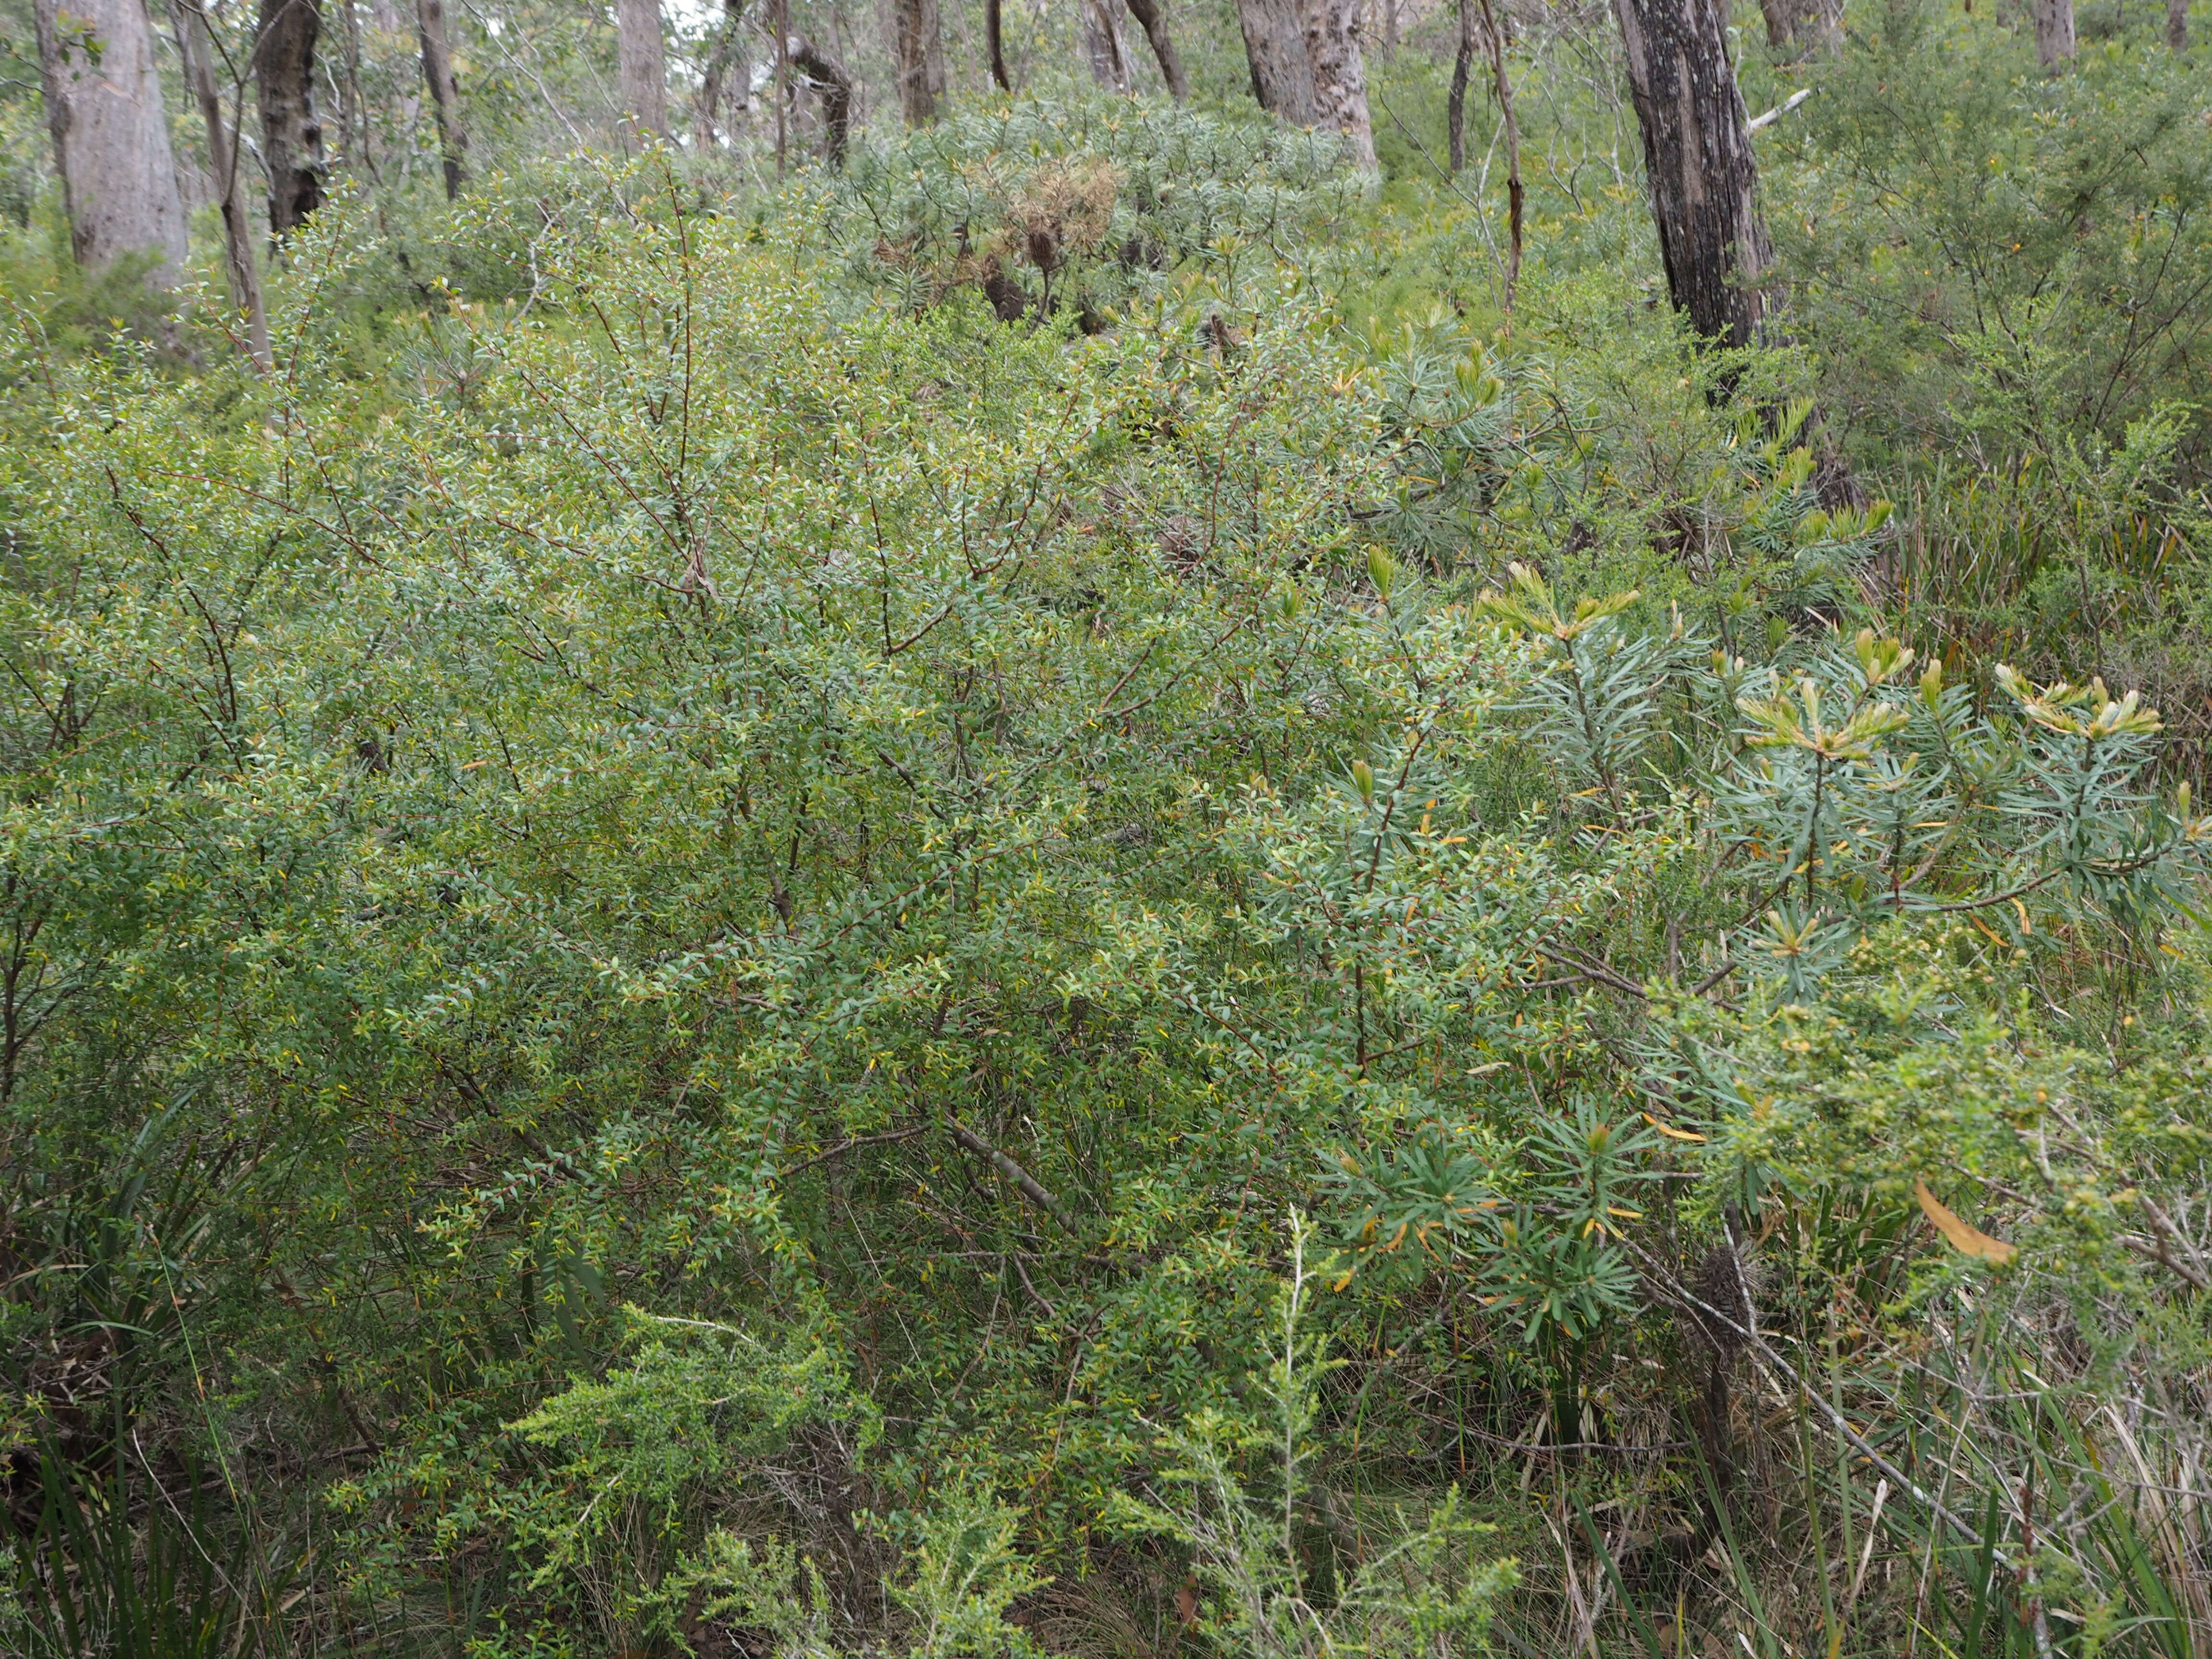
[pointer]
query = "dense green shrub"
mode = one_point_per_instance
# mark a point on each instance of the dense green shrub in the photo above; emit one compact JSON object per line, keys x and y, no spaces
{"x":721,"y":945}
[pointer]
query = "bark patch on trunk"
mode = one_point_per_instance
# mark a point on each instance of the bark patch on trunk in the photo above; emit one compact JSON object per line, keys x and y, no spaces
{"x":642,"y":69}
{"x":918,"y":54}
{"x":2054,"y":32}
{"x":1339,"y":75}
{"x":1275,"y":49}
{"x":1698,"y":156}
{"x":111,"y":136}
{"x":444,"y":92}
{"x":291,"y":133}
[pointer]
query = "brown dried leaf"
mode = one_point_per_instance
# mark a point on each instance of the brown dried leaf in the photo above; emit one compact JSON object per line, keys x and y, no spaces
{"x":1962,"y":1235}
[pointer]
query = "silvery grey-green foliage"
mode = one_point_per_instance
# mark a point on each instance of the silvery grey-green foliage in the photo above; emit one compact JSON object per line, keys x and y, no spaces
{"x":1836,"y":797}
{"x":1849,"y":788}
{"x":1595,"y":703}
{"x":1459,"y":429}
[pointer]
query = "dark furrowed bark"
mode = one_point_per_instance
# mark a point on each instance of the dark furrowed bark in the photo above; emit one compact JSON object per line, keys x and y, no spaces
{"x":918,"y":51}
{"x":827,"y":79}
{"x":291,"y":134}
{"x":1698,"y":156}
{"x":994,"y":35}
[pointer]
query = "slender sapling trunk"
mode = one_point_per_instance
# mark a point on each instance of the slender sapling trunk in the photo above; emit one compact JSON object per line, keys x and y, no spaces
{"x":1455,"y":101}
{"x":1514,"y":199}
{"x":994,"y":35}
{"x":445,"y":94}
{"x":1151,"y":17}
{"x":196,"y":49}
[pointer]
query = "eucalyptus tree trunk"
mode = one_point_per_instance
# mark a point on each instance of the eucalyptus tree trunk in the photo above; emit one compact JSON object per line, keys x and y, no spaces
{"x":1275,"y":49}
{"x":2177,"y":24}
{"x":356,"y":131}
{"x":827,"y":79}
{"x":111,"y":138}
{"x":1152,"y":18}
{"x":1340,"y":77}
{"x":1102,"y":46}
{"x":1699,"y":162}
{"x":1510,"y":129}
{"x":642,"y":69}
{"x":1455,"y":100}
{"x":445,"y":95}
{"x":1821,"y":28}
{"x":918,"y":57}
{"x":1794,"y":27}
{"x":2054,"y":32}
{"x":994,"y":36}
{"x":244,"y":277}
{"x":291,"y":135}
{"x":706,"y":103}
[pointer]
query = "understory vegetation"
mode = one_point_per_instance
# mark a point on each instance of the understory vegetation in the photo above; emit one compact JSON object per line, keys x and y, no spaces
{"x":1061,"y":895}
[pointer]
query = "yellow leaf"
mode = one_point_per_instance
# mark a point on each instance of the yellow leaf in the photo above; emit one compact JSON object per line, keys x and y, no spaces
{"x":1962,"y":1237}
{"x":1670,"y":1130}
